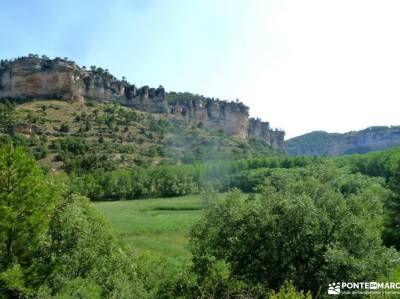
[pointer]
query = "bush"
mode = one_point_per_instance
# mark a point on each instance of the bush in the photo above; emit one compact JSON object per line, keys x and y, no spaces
{"x":64,"y":128}
{"x":288,"y":291}
{"x":80,"y":246}
{"x":53,"y":246}
{"x":310,"y":226}
{"x":40,"y":152}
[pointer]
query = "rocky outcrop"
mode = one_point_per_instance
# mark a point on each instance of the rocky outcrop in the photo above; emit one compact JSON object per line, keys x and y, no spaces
{"x":332,"y":144}
{"x":232,"y":118}
{"x":261,"y":130}
{"x":34,"y":77}
{"x":40,"y":77}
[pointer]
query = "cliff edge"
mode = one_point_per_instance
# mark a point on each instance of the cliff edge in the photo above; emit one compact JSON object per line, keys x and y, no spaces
{"x":35,"y":77}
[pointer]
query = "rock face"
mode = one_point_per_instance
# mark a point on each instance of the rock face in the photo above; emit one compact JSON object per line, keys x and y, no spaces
{"x":261,"y":130}
{"x":332,"y":144}
{"x":35,"y":77}
{"x":232,"y":118}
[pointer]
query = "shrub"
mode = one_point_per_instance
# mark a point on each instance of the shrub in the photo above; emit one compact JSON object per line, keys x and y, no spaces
{"x":64,"y":128}
{"x":79,"y":248}
{"x":288,"y":291}
{"x":310,"y":226}
{"x":53,"y":246}
{"x":40,"y":152}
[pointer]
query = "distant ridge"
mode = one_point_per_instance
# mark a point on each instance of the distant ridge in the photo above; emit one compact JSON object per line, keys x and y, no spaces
{"x":320,"y":143}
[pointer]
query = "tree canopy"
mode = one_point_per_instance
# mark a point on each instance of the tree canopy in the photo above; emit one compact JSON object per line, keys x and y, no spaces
{"x":309,"y":226}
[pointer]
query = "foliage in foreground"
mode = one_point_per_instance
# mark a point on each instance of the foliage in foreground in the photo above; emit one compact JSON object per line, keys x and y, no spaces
{"x":309,"y":226}
{"x":52,"y":245}
{"x":80,"y":250}
{"x":26,"y":204}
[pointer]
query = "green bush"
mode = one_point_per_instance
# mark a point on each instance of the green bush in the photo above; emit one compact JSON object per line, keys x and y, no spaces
{"x":79,"y":246}
{"x":40,"y":151}
{"x":64,"y":128}
{"x":288,"y":291}
{"x":53,"y":246}
{"x":310,"y":226}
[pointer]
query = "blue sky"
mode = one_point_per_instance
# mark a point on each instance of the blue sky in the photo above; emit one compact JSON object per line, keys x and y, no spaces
{"x":302,"y":65}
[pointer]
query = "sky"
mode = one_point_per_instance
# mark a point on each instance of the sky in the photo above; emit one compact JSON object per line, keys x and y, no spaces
{"x":301,"y":65}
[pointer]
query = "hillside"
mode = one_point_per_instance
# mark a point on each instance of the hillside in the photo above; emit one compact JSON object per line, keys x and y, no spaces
{"x":76,"y":136}
{"x":321,"y":143}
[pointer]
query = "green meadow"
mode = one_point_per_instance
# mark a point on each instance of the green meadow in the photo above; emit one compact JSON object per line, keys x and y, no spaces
{"x":158,"y":225}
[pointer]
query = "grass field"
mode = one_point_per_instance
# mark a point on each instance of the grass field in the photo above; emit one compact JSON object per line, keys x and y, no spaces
{"x":159,"y":225}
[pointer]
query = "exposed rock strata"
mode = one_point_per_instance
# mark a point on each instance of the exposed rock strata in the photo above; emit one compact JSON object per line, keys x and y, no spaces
{"x":332,"y":144}
{"x":232,"y":118}
{"x":261,"y":130}
{"x":34,"y":77}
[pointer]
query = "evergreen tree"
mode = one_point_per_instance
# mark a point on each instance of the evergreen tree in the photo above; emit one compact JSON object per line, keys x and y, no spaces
{"x":26,"y":202}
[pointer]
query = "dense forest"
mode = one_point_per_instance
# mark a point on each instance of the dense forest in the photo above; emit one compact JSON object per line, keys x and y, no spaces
{"x":285,"y":227}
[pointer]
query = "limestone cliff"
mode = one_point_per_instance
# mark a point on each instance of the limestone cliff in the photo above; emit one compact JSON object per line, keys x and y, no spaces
{"x":261,"y":130}
{"x":40,"y":77}
{"x":232,"y":118}
{"x":34,"y":77}
{"x":332,"y":144}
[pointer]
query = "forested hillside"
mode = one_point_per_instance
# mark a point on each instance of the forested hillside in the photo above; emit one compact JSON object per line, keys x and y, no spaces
{"x":77,"y":137}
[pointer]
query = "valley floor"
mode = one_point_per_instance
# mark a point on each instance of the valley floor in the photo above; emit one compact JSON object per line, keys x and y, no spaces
{"x":158,"y":225}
